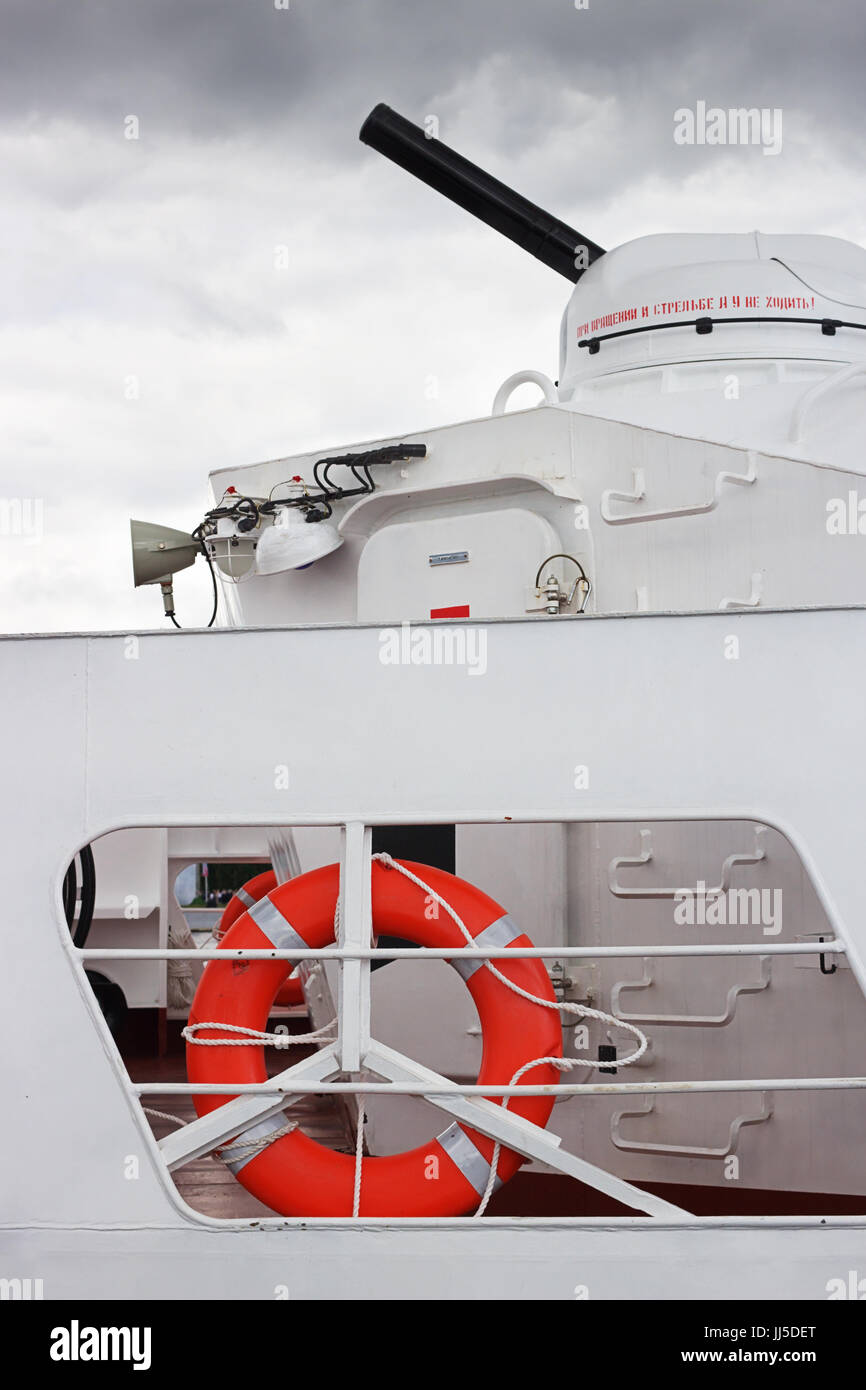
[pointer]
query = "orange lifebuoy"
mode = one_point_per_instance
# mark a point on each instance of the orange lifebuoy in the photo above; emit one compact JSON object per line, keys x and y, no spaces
{"x":296,"y":1176}
{"x":292,"y":991}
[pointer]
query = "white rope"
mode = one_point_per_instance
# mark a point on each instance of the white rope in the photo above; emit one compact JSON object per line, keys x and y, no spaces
{"x":253,"y":1038}
{"x":182,"y":975}
{"x":163,"y":1115}
{"x":362,"y":1112}
{"x":359,"y":1157}
{"x":562,"y":1064}
{"x":257,"y":1145}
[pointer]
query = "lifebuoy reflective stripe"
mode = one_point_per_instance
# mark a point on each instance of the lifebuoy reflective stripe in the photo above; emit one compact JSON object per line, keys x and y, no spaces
{"x":296,"y":1176}
{"x":292,"y":991}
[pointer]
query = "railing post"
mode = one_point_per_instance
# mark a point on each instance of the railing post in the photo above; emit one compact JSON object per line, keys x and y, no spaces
{"x":353,"y":1011}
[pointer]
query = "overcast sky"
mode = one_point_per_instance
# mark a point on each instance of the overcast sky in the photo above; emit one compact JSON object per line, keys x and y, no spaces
{"x":147,"y":333}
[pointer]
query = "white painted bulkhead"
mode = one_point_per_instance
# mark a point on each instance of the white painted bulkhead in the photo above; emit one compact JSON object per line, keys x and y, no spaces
{"x":97,"y":1213}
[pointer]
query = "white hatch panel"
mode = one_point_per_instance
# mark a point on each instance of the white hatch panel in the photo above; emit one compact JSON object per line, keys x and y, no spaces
{"x":483,"y":562}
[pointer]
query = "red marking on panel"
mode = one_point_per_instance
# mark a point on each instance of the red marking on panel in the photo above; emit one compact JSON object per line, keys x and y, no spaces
{"x":461,"y":611}
{"x":666,"y":308}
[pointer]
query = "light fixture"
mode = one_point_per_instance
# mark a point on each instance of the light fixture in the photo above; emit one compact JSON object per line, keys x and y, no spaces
{"x":158,"y":552}
{"x":296,"y":539}
{"x":233,"y":550}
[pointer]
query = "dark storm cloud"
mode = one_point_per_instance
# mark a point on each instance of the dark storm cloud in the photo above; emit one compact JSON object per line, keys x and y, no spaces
{"x":212,"y":66}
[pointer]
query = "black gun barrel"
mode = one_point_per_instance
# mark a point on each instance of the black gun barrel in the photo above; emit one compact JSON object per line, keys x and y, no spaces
{"x":436,"y":164}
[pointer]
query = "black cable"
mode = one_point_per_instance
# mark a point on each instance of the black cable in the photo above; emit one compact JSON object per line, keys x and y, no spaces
{"x":316,"y":505}
{"x":560,"y":555}
{"x":347,"y":461}
{"x":70,"y":895}
{"x":88,"y":896}
{"x":361,"y":471}
{"x":707,"y":322}
{"x":246,"y":504}
{"x":213,"y":580}
{"x":80,"y":929}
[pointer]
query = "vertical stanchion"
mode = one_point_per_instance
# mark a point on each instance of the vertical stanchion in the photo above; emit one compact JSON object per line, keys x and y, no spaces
{"x":354,"y":930}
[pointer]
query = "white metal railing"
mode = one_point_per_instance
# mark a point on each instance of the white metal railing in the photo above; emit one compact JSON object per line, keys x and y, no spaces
{"x":370,"y":953}
{"x":446,"y":1088}
{"x":354,"y":1050}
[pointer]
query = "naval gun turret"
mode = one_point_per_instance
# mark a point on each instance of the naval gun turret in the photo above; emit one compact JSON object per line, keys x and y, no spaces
{"x":713,"y":335}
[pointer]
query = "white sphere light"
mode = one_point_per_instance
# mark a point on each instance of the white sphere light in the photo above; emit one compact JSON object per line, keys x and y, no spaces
{"x":292,"y":542}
